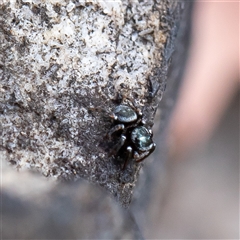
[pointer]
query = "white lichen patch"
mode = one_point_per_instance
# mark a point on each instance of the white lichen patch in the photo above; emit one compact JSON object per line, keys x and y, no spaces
{"x":91,"y":43}
{"x":62,"y":32}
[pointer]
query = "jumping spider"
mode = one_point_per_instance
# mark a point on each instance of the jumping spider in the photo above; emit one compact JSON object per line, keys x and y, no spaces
{"x":133,"y":139}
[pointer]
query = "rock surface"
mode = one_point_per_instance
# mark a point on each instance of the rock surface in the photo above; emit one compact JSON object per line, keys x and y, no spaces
{"x":63,"y":64}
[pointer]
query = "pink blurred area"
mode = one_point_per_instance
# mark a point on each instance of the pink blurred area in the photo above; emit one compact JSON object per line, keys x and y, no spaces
{"x":200,"y":196}
{"x":200,"y":199}
{"x":212,"y":74}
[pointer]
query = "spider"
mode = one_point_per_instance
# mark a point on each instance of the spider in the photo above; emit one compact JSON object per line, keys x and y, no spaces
{"x":133,"y":139}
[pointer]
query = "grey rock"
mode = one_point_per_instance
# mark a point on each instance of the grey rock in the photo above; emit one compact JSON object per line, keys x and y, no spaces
{"x":62,"y":66}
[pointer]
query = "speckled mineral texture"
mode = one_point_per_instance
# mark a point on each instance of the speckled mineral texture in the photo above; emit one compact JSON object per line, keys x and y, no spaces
{"x":63,"y":65}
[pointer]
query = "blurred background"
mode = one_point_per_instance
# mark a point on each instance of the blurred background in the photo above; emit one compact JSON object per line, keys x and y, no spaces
{"x":197,"y":196}
{"x":191,"y":194}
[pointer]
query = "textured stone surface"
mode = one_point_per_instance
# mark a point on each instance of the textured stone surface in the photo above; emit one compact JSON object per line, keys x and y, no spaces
{"x":62,"y":66}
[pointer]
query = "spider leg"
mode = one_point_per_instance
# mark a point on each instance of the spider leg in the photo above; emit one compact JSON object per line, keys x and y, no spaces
{"x":129,"y":149}
{"x":134,"y":106}
{"x":115,"y":129}
{"x":135,"y":124}
{"x":150,"y":131}
{"x":118,"y":145}
{"x":140,"y":157}
{"x":113,"y":116}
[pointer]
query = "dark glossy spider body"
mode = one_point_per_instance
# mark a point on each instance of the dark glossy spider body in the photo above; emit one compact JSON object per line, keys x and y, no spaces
{"x":132,"y":139}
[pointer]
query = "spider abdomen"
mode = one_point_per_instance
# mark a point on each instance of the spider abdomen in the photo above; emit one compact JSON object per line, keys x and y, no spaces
{"x":125,"y":114}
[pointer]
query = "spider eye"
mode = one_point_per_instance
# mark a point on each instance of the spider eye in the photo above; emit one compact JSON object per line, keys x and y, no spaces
{"x":141,"y":138}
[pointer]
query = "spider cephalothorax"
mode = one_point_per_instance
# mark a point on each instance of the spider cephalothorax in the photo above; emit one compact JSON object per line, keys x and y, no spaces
{"x":132,"y":139}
